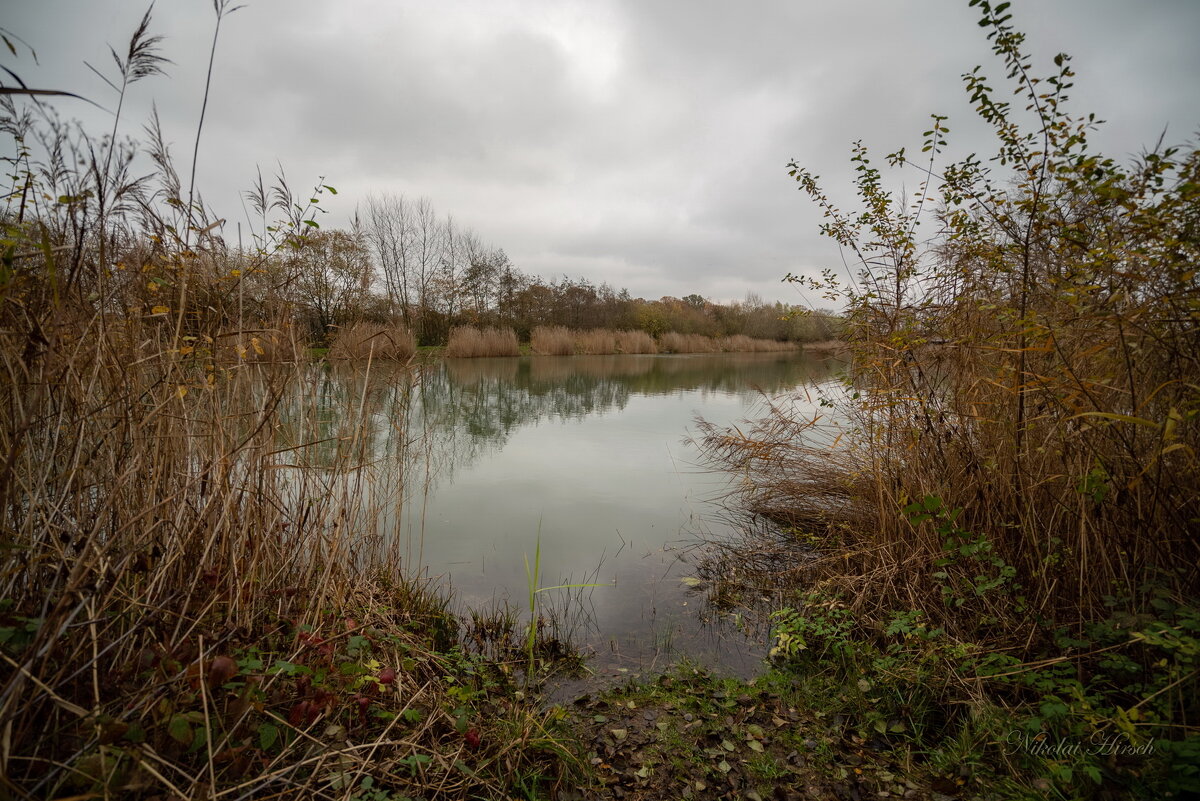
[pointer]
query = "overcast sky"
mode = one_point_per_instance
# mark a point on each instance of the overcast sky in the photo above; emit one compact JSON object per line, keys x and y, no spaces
{"x":643,"y":143}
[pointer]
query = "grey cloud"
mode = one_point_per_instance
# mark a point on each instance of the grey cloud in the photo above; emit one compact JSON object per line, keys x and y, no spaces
{"x":639,"y":143}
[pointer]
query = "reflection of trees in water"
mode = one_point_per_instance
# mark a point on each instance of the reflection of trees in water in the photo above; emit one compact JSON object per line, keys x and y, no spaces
{"x":417,"y":424}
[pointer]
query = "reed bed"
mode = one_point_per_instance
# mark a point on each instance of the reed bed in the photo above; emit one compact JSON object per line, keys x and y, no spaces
{"x":562,"y":341}
{"x":635,"y":342}
{"x":553,"y":340}
{"x":740,"y":343}
{"x":201,"y":595}
{"x":469,"y":342}
{"x":361,"y":341}
{"x":1017,"y":435}
{"x":595,"y":342}
{"x":190,"y":610}
{"x":672,"y":342}
{"x":183,"y":590}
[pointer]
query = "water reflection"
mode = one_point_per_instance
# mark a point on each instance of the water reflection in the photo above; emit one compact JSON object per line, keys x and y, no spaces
{"x":473,"y":462}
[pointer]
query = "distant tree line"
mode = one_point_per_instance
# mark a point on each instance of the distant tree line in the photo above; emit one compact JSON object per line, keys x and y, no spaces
{"x":402,"y":262}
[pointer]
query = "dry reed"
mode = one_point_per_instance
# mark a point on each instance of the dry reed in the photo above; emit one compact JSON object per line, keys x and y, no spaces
{"x":188,"y":582}
{"x":202,"y":597}
{"x":552,"y":341}
{"x":361,"y":341}
{"x":469,"y":342}
{"x":672,"y":342}
{"x":740,"y":343}
{"x":635,"y":342}
{"x":596,"y":342}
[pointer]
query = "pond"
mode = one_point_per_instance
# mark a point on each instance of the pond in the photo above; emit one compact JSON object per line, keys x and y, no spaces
{"x":581,"y":464}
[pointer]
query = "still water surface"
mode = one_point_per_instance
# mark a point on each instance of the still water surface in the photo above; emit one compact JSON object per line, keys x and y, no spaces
{"x":588,"y":455}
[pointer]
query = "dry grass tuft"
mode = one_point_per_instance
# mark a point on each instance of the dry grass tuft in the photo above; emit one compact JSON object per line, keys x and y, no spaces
{"x":596,"y":342}
{"x":373,"y":340}
{"x":635,"y":342}
{"x":179,"y":620}
{"x":469,"y":342}
{"x":672,"y":342}
{"x":552,"y":341}
{"x":740,"y":343}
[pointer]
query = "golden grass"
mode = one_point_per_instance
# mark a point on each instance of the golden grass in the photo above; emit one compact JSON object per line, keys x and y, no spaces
{"x":187,"y":602}
{"x":552,"y":341}
{"x":562,"y":341}
{"x":361,"y":341}
{"x":740,"y":343}
{"x":635,"y":342}
{"x":672,"y":342}
{"x":596,"y":342}
{"x":469,"y":342}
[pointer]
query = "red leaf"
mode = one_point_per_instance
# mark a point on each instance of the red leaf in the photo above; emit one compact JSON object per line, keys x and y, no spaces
{"x":221,"y":670}
{"x":299,"y":713}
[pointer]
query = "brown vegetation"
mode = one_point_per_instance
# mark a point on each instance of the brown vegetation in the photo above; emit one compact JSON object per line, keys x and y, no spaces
{"x":740,"y":343}
{"x":672,"y":342}
{"x":1021,"y":445}
{"x":553,"y":340}
{"x":468,"y":342}
{"x":595,"y":341}
{"x":183,"y":612}
{"x":374,"y":341}
{"x":635,"y":342}
{"x":1002,"y":513}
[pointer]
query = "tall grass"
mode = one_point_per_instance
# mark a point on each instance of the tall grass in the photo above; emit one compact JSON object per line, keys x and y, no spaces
{"x":553,"y":340}
{"x":672,"y":342}
{"x":1014,"y":474}
{"x":635,"y":342}
{"x":361,"y":341}
{"x":562,"y":341}
{"x":185,"y":610}
{"x":740,"y":343}
{"x":469,"y":341}
{"x":596,"y":341}
{"x":1011,"y":492}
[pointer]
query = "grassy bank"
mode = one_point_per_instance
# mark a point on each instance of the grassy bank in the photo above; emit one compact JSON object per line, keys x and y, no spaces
{"x":184,"y":611}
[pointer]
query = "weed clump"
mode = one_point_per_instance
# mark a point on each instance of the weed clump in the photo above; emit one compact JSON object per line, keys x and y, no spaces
{"x":361,"y":341}
{"x":553,"y":340}
{"x":469,"y":342}
{"x":1001,"y":500}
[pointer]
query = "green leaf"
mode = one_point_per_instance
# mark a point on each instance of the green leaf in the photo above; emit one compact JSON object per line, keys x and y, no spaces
{"x":198,"y":741}
{"x":268,"y":735}
{"x":1124,"y":418}
{"x":135,"y":733}
{"x":180,"y":730}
